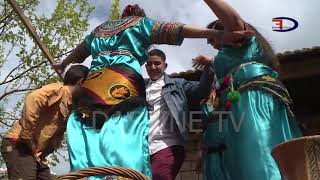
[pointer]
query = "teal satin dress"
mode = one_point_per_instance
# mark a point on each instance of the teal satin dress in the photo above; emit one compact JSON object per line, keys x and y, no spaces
{"x":123,"y":139}
{"x":260,"y":122}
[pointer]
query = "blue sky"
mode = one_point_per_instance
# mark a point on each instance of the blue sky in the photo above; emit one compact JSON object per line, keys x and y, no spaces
{"x":257,"y":12}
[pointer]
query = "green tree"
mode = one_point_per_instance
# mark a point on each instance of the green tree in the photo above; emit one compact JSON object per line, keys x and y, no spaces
{"x":115,"y":10}
{"x":22,"y":65}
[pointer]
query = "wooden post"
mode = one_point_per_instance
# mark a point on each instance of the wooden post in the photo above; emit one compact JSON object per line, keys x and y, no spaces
{"x":27,"y":23}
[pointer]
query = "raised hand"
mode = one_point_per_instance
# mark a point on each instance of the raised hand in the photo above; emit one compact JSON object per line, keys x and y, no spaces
{"x":201,"y":61}
{"x":234,"y":39}
{"x":60,"y":67}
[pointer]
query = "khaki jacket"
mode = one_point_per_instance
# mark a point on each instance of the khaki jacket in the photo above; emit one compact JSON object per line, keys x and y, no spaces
{"x":44,"y":118}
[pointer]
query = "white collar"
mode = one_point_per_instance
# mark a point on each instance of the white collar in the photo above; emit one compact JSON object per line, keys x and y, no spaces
{"x":156,"y":81}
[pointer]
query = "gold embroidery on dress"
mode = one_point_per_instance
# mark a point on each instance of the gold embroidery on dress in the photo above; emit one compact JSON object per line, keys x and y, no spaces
{"x":111,"y":28}
{"x":165,"y":33}
{"x":268,"y":78}
{"x":120,"y":92}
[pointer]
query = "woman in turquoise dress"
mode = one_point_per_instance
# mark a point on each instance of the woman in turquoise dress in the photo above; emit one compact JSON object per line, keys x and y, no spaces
{"x":249,"y":112}
{"x":118,"y":49}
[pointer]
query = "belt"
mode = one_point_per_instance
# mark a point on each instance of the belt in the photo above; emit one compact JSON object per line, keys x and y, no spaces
{"x":107,"y":91}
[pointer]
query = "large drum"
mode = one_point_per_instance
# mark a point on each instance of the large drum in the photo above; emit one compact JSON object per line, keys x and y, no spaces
{"x":299,"y":159}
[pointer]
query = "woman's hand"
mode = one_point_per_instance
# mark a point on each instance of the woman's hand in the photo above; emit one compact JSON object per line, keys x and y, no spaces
{"x":201,"y":61}
{"x":234,"y":39}
{"x":60,"y":67}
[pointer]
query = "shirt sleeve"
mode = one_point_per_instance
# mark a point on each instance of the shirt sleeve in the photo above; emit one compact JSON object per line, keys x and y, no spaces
{"x":198,"y":90}
{"x":87,"y":42}
{"x":164,"y":32}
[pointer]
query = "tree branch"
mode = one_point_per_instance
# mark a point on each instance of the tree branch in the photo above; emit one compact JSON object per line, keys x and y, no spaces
{"x":20,"y":75}
{"x":62,"y":156}
{"x":60,"y":55}
{"x":2,"y":122}
{"x":10,"y":115}
{"x":15,"y":91}
{"x":5,"y":79}
{"x":11,"y":49}
{"x":7,"y":16}
{"x":7,"y":19}
{"x":23,"y":7}
{"x":2,"y":31}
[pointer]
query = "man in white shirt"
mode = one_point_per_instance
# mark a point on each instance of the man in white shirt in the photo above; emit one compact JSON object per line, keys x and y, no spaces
{"x":168,"y":102}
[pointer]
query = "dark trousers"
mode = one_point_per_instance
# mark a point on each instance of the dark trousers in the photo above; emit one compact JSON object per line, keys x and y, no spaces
{"x":21,"y":164}
{"x":167,"y":162}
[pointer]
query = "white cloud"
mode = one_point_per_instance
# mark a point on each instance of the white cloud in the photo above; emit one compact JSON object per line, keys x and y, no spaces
{"x":258,"y":13}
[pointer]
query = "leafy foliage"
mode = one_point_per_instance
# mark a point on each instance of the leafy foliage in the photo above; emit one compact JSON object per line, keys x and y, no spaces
{"x":22,"y":65}
{"x":115,"y":10}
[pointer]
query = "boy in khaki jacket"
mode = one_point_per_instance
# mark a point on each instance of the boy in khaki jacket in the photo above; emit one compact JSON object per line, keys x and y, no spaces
{"x":41,"y":128}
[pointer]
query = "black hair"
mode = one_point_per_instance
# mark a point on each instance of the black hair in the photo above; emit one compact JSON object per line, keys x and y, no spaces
{"x":159,"y":53}
{"x":271,"y":58}
{"x":74,"y":74}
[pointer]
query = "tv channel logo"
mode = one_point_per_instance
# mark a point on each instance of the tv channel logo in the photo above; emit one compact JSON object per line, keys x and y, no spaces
{"x":284,"y":24}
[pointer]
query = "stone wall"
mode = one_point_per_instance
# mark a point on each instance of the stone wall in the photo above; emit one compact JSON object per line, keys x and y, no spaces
{"x":188,"y":169}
